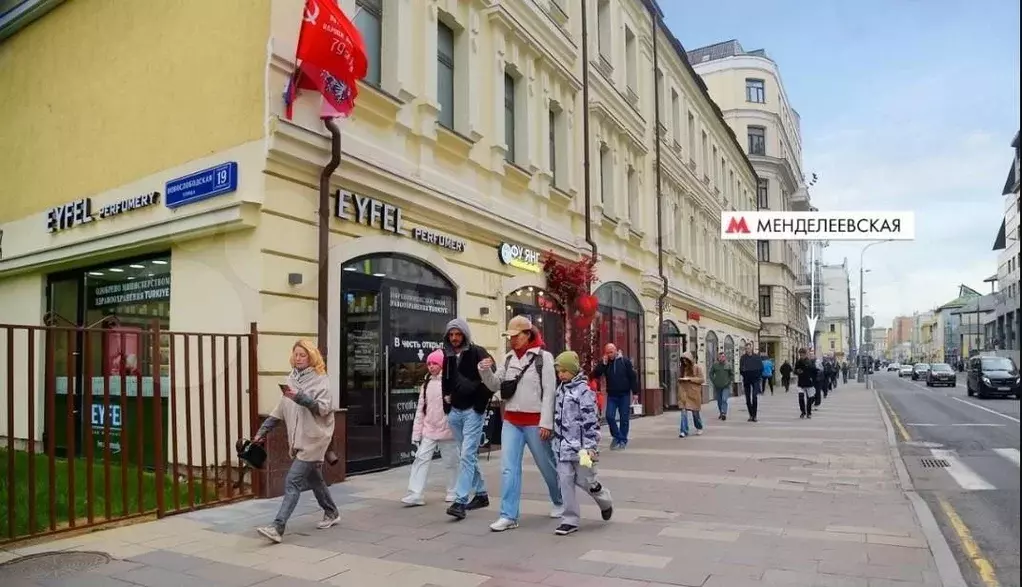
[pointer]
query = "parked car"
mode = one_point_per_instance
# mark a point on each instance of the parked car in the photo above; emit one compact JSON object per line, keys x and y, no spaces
{"x":893,"y":367}
{"x":919,"y":370}
{"x":993,"y":376}
{"x":941,"y":374}
{"x":905,"y":371}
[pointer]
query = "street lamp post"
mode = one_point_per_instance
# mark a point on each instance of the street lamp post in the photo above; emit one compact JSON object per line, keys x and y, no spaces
{"x":862,"y":371}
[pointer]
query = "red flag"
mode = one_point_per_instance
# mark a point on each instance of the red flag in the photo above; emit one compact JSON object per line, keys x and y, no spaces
{"x":329,"y":40}
{"x":332,"y":58}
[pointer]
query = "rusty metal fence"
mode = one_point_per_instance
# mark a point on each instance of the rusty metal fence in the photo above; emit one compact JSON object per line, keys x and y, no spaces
{"x":105,"y":424}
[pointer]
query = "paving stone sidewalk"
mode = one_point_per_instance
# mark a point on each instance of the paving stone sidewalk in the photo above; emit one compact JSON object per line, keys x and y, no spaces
{"x":780,"y":502}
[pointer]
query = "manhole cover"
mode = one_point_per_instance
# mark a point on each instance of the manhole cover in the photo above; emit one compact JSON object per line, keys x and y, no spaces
{"x":49,"y":565}
{"x":934,"y":463}
{"x":786,"y":461}
{"x":924,"y":444}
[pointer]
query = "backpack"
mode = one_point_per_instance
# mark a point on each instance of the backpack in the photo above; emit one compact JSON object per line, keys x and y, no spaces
{"x":537,"y":363}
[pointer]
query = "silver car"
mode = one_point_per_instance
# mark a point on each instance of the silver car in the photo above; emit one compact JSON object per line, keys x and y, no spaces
{"x":905,"y":371}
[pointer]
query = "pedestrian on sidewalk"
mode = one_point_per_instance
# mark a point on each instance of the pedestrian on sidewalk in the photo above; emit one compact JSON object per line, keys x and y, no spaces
{"x":527,"y":383}
{"x":465,"y":400}
{"x":751,"y":368}
{"x":576,"y":443}
{"x":722,"y":377}
{"x":308,"y":415}
{"x":691,"y":389}
{"x":768,"y":373}
{"x":429,"y":432}
{"x":844,"y":372}
{"x":819,"y":378}
{"x":805,"y":370}
{"x":786,"y":375}
{"x":622,"y":384}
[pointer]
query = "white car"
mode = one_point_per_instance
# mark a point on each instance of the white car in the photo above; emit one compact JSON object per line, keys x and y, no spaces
{"x":905,"y":371}
{"x":894,"y":367}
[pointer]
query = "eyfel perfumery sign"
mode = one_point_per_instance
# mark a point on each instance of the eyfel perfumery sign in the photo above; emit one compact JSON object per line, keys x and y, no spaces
{"x":80,"y":212}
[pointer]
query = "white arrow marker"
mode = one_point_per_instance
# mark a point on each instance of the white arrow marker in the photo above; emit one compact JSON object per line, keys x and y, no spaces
{"x":811,"y":316}
{"x":420,"y":354}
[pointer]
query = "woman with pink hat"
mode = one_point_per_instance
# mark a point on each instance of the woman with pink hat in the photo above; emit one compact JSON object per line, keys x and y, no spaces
{"x":429,"y":431}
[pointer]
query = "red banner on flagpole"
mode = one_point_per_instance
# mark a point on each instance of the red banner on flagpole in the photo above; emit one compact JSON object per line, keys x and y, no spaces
{"x":331,"y":58}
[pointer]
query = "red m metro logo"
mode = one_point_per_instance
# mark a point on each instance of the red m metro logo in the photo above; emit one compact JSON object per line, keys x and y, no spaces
{"x":737,"y":225}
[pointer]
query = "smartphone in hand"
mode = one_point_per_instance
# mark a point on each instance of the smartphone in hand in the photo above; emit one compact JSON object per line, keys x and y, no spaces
{"x":284,"y":388}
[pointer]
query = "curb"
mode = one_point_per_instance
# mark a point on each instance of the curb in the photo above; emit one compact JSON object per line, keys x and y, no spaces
{"x":947,"y":567}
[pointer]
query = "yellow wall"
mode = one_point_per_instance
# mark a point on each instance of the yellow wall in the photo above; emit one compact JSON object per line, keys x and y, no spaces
{"x":94,"y":95}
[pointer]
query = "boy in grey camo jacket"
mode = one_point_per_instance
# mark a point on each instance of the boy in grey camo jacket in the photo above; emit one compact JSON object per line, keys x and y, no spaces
{"x":576,"y":442}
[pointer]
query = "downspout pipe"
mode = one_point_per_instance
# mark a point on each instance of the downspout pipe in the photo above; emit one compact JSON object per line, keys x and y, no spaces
{"x":323,"y":283}
{"x":587,"y":181}
{"x":659,"y":192}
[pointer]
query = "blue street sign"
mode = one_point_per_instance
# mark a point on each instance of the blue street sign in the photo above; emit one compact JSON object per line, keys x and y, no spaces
{"x":198,"y":186}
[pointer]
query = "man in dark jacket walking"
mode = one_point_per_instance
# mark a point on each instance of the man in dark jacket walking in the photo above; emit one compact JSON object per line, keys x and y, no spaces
{"x":751,"y":368}
{"x":622,"y":383}
{"x":805,"y":370}
{"x":786,"y":375}
{"x":465,"y":401}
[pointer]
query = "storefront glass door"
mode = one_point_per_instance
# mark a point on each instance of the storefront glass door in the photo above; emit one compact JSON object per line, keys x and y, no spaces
{"x":389,"y":326}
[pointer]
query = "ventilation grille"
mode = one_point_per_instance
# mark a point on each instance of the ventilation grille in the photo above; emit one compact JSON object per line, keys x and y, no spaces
{"x":934,"y":463}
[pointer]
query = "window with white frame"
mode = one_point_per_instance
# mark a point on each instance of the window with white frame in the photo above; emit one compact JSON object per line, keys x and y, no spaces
{"x":705,"y":144}
{"x":445,"y":74}
{"x":676,"y":221}
{"x":606,"y":179}
{"x":757,"y":140}
{"x":603,"y":31}
{"x":693,"y":240}
{"x":369,"y":21}
{"x":553,"y":126}
{"x":763,"y":194}
{"x":691,"y":136}
{"x":675,"y":116}
{"x":755,"y":91}
{"x":633,"y":198}
{"x":631,"y":62}
{"x":510,"y":89}
{"x":763,"y":249}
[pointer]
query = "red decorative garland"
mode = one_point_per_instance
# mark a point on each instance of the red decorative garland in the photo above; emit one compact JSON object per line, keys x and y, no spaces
{"x":571,"y":282}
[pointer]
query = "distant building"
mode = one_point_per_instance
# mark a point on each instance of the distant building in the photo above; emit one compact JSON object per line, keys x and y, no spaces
{"x":901,"y":330}
{"x":1007,"y":317}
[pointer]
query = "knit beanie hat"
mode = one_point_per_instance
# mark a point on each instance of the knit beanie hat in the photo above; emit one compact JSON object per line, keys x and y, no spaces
{"x":436,"y":358}
{"x":568,"y":361}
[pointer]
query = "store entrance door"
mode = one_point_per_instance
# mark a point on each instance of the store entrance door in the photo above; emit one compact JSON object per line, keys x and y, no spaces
{"x":388,"y":328}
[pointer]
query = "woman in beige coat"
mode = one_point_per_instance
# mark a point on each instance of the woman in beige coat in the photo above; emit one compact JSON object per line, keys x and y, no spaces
{"x":691,"y":393}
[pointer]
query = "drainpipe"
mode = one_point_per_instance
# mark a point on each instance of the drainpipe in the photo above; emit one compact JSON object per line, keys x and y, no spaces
{"x":659,"y":192}
{"x":322,"y":304}
{"x":587,"y":182}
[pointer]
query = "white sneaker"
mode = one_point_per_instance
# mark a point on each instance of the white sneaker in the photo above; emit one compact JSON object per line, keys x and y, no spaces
{"x":328,"y":521}
{"x":699,"y":432}
{"x":413,"y":500}
{"x":270,"y":533}
{"x":503,"y":524}
{"x":450,"y":498}
{"x":557,"y":511}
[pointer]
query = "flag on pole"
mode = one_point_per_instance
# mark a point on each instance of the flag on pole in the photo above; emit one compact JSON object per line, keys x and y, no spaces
{"x":330,"y":57}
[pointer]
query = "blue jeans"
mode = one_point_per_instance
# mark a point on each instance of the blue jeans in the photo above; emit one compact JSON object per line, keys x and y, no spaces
{"x":467,"y":426}
{"x":513,"y":440}
{"x":697,"y":419}
{"x":722,"y":395}
{"x":619,"y":406}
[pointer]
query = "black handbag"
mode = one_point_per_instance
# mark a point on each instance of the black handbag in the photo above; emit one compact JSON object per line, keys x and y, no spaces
{"x":508,"y":387}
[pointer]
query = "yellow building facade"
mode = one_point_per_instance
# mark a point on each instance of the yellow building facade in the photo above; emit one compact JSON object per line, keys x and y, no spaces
{"x":168,"y":186}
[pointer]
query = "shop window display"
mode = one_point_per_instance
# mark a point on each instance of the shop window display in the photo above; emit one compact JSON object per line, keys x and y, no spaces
{"x":545,"y":311}
{"x":620,"y":321}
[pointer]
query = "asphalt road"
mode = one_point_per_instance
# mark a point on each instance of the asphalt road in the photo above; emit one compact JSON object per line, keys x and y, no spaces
{"x":963,"y":456}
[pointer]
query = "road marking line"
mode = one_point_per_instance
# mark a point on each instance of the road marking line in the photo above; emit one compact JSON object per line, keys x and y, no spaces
{"x":983,"y":566}
{"x":897,"y":421}
{"x":1009,"y":453}
{"x":960,"y":472}
{"x":985,"y":409}
{"x":965,"y":424}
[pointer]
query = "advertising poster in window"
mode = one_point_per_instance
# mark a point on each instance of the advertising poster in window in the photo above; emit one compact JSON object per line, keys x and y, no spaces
{"x":418,"y":317}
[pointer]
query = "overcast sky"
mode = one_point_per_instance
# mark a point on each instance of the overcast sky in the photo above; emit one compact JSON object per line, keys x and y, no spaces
{"x":906,"y":105}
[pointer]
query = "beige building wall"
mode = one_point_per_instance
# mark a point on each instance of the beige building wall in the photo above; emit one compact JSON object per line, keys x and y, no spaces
{"x":750,"y":91}
{"x":235,"y":257}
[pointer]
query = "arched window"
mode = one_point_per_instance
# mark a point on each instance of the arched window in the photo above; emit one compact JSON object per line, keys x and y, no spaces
{"x":671,"y":341}
{"x":729,"y":348}
{"x":620,"y":319}
{"x":545,"y":311}
{"x":692,"y":344}
{"x":711,"y":349}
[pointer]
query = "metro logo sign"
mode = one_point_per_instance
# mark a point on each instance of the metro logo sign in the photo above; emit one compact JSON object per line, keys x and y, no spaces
{"x":737,"y":225}
{"x":829,"y":226}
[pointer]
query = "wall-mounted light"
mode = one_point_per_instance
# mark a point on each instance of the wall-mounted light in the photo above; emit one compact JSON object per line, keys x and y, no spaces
{"x":294,"y":279}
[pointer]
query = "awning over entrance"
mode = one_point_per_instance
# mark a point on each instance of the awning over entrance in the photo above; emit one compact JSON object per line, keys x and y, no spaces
{"x":1000,"y":241}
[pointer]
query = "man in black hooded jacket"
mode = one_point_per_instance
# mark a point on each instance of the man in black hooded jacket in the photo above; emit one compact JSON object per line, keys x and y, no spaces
{"x":465,"y":401}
